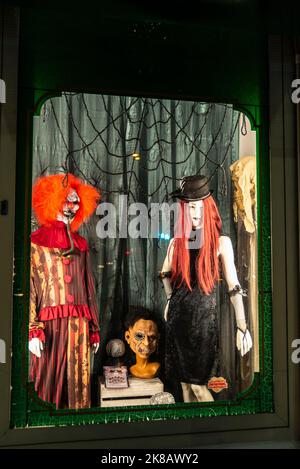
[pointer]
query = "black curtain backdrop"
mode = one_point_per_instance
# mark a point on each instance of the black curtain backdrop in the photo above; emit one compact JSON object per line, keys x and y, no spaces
{"x":94,"y":137}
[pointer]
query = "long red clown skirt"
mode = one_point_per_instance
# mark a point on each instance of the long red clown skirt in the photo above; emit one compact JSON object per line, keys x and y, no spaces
{"x":62,"y":374}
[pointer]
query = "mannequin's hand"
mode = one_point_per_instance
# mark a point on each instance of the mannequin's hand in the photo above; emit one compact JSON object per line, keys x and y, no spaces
{"x":166,"y":311}
{"x":243,"y":341}
{"x":36,"y":346}
{"x":95,"y":347}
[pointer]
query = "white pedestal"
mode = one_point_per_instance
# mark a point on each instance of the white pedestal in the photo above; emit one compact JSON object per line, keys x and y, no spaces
{"x":139,"y":392}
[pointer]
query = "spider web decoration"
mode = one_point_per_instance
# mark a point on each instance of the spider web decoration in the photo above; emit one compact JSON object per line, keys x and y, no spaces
{"x":141,"y":148}
{"x":95,"y":137}
{"x":136,"y":146}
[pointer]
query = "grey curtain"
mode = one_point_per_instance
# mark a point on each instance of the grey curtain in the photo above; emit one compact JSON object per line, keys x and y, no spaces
{"x":94,"y":137}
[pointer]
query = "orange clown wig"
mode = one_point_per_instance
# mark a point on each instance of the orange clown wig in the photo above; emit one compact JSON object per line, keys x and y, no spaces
{"x":49,"y":194}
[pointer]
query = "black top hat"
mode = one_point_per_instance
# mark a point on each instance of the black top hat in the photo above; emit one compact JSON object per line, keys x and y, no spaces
{"x":193,"y":188}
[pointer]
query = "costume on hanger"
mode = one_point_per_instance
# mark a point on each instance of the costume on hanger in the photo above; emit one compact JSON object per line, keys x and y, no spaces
{"x":244,"y":207}
{"x":63,"y":309}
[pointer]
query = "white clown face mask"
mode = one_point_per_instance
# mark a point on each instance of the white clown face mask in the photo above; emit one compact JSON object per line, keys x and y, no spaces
{"x":70,"y":207}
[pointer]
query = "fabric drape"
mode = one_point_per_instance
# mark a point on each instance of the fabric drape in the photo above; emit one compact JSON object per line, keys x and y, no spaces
{"x":94,"y":136}
{"x":244,"y":207}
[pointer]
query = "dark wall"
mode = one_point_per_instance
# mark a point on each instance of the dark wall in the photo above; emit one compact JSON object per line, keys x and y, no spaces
{"x":217,"y":51}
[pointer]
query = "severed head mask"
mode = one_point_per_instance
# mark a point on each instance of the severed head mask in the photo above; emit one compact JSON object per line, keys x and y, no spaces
{"x":142,"y":337}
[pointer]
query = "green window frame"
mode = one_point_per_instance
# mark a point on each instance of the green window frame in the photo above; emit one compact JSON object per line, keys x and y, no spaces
{"x":27,"y":409}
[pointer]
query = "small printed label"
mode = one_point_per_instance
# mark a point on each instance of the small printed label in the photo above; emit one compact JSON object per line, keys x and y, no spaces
{"x":217,"y":384}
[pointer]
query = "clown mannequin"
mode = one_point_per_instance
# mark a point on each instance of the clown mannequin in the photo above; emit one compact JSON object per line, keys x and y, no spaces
{"x":142,"y":336}
{"x":63,"y":319}
{"x":189,"y":274}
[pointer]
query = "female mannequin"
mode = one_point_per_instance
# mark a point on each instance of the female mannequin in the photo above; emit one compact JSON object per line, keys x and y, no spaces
{"x":189,"y":274}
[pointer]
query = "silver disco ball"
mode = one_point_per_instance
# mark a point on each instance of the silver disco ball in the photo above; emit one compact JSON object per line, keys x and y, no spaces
{"x":162,"y":398}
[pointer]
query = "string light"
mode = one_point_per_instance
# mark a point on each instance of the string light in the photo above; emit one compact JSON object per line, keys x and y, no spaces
{"x":164,"y":236}
{"x":136,"y":156}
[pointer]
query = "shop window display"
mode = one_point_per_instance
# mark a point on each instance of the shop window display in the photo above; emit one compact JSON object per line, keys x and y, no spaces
{"x":165,"y":203}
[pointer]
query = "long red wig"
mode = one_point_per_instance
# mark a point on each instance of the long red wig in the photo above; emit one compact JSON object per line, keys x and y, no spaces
{"x":207,"y":266}
{"x":49,"y":194}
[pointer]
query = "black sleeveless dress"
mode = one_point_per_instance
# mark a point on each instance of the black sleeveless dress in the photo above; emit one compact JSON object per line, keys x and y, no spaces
{"x":191,"y":332}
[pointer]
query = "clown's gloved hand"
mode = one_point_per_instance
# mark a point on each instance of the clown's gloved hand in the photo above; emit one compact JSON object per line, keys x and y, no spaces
{"x":95,"y":347}
{"x":243,"y":341}
{"x":36,"y":346}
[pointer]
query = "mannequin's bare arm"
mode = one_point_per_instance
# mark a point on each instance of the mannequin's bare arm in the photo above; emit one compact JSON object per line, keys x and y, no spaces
{"x":167,"y":265}
{"x":230,"y":274}
{"x":244,"y":341}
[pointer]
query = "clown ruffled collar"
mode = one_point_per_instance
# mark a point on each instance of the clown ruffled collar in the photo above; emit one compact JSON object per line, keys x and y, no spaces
{"x":56,"y":236}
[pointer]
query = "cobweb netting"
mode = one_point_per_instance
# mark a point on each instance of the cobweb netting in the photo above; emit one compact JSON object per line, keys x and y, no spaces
{"x":139,"y":147}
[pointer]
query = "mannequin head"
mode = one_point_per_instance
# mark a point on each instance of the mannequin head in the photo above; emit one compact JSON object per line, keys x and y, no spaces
{"x":196,"y":213}
{"x":204,"y":215}
{"x":64,"y":197}
{"x":70,"y":207}
{"x":142,"y":337}
{"x":141,"y":332}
